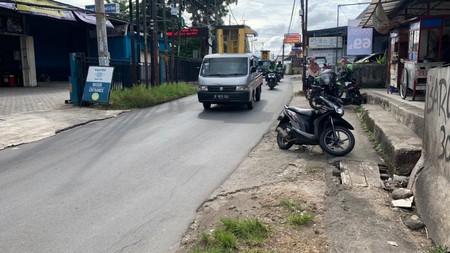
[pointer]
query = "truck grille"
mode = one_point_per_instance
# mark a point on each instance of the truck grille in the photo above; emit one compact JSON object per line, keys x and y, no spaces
{"x":222,"y":88}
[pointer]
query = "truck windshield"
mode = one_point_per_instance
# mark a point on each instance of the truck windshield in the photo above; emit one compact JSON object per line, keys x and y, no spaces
{"x":224,"y":67}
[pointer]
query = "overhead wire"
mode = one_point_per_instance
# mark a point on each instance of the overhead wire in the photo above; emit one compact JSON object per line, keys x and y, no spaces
{"x":289,"y":27}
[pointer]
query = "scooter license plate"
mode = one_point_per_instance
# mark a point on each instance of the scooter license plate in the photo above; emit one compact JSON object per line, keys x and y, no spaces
{"x":220,"y":96}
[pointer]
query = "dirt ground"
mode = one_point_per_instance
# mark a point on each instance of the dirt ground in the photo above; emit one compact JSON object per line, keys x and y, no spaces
{"x":346,"y":218}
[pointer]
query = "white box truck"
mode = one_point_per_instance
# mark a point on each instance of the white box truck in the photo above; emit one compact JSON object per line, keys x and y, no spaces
{"x":229,"y":78}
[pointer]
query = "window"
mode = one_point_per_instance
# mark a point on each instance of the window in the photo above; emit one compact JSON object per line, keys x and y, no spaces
{"x":224,"y":67}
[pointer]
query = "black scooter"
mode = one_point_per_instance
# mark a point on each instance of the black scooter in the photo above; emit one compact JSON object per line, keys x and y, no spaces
{"x":324,"y":127}
{"x":271,"y":79}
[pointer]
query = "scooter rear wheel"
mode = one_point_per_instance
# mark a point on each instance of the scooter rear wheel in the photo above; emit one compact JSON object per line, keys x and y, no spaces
{"x":282,"y":140}
{"x":338,"y":142}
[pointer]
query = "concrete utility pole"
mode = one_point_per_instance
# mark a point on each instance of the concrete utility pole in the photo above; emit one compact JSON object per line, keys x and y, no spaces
{"x":133,"y":49}
{"x":102,"y":37}
{"x":155,"y":50}
{"x":144,"y":12}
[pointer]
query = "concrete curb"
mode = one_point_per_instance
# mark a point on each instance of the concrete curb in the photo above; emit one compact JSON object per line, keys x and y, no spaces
{"x":396,"y":128}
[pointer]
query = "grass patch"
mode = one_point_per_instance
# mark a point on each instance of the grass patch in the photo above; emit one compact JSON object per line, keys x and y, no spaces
{"x":299,"y":93}
{"x":300,"y":219}
{"x":313,"y":170}
{"x":438,"y":249}
{"x":232,"y":234}
{"x":298,"y":216}
{"x":291,"y":206}
{"x":141,"y":97}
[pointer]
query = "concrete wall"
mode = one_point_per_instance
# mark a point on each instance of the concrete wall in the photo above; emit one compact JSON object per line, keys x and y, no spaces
{"x":370,"y":75}
{"x":432,"y":183}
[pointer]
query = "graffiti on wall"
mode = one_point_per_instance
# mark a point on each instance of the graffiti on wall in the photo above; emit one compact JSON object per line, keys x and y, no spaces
{"x":438,"y":108}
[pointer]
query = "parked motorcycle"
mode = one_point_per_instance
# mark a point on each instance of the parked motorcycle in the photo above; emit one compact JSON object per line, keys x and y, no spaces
{"x":348,"y":89}
{"x":328,"y":85}
{"x":324,"y":127}
{"x":271,"y":79}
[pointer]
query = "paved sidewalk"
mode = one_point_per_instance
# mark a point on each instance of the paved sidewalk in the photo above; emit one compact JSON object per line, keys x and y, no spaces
{"x":31,"y":114}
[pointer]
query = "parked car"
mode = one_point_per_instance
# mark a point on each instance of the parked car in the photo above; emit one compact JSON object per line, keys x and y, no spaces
{"x":353,"y":58}
{"x":375,"y":57}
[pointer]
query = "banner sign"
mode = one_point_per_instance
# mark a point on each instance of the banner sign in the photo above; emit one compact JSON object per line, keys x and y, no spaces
{"x":191,"y":32}
{"x":98,"y":84}
{"x":381,"y":22}
{"x":325,"y":42}
{"x":46,"y":8}
{"x":359,"y":40}
{"x":11,"y":6}
{"x":291,"y":38}
{"x":109,"y":8}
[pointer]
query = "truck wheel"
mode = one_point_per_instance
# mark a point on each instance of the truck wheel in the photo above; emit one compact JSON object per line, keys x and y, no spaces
{"x":258,"y":93}
{"x":206,"y":105}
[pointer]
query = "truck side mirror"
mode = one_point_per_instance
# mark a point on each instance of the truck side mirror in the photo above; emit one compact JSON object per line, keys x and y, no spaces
{"x":253,"y":69}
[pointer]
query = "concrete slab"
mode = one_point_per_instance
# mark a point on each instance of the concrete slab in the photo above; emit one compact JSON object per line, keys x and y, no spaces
{"x":401,"y":146}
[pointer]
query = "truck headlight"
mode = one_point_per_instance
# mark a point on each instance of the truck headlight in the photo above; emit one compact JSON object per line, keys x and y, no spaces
{"x":242,"y":88}
{"x":203,"y":88}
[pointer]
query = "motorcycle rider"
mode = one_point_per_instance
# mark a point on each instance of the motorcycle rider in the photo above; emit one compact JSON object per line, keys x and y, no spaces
{"x":313,"y":72}
{"x":280,"y":68}
{"x":270,"y":69}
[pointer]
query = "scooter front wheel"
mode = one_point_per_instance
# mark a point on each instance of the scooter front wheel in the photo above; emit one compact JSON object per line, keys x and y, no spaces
{"x":283,"y":137}
{"x":338,"y":142}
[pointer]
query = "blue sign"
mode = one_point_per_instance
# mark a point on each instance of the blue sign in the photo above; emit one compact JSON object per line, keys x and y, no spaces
{"x":109,"y":8}
{"x":359,"y":40}
{"x":98,"y":84}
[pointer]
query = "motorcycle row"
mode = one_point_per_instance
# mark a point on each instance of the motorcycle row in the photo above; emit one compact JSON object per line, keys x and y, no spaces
{"x":322,"y":125}
{"x":273,"y":77}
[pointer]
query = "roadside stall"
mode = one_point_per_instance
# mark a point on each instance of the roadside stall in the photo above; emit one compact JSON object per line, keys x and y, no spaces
{"x":427,"y":47}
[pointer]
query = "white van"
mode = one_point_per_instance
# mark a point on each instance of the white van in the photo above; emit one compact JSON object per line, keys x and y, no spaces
{"x":229,"y":78}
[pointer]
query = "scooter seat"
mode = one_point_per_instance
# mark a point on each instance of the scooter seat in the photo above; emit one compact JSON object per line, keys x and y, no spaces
{"x":307,"y":112}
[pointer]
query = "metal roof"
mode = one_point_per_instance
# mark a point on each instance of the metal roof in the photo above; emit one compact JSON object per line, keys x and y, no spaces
{"x":400,"y":10}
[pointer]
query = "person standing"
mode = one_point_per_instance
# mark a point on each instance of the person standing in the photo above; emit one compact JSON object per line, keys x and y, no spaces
{"x":313,"y":71}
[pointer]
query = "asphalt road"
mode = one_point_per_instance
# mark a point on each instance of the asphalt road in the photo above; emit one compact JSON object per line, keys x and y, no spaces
{"x":126,"y":184}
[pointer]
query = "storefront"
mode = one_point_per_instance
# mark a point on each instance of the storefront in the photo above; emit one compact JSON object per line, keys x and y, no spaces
{"x":417,"y":46}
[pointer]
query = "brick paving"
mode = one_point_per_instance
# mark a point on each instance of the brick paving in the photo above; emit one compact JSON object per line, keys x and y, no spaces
{"x":45,"y":97}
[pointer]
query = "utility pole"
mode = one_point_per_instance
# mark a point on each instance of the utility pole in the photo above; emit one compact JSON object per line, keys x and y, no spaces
{"x":138,"y":34}
{"x":172,"y":51}
{"x":166,"y":51}
{"x":102,"y":37}
{"x":304,"y":38}
{"x":133,"y":49}
{"x":179,"y":41}
{"x":144,"y":12}
{"x":155,"y":50}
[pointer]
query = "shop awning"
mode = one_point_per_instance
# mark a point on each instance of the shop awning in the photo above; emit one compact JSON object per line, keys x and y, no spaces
{"x":52,"y":9}
{"x":397,"y":11}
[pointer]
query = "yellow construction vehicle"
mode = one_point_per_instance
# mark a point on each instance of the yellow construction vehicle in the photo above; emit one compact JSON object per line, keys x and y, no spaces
{"x":265,"y":55}
{"x":234,"y":39}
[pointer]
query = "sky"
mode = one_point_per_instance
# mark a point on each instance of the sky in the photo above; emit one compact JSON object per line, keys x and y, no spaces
{"x":271,"y":19}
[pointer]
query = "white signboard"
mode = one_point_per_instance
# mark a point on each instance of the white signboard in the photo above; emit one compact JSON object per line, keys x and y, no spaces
{"x":325,"y":42}
{"x":98,"y":84}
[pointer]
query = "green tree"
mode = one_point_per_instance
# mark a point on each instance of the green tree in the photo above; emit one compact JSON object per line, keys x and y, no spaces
{"x":204,"y":12}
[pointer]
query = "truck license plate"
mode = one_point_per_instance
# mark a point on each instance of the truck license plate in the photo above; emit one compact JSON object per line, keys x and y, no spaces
{"x":221,"y":96}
